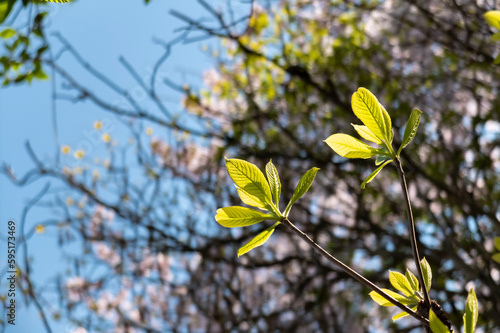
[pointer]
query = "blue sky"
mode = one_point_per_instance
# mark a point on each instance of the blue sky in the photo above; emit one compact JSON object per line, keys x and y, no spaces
{"x":101,"y":31}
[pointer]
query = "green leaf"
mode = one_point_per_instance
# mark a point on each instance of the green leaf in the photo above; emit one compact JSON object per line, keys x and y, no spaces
{"x":350,"y":147}
{"x":40,"y":74}
{"x":427,"y":272}
{"x":398,"y":297}
{"x":259,"y":240}
{"x":15,"y":66}
{"x":302,"y":187}
{"x":436,"y":325}
{"x":274,"y":182}
{"x":388,"y":122}
{"x":367,"y":108}
{"x":497,"y":243}
{"x":366,"y":134}
{"x":374,"y":174}
{"x":411,"y":129}
{"x":250,"y":179}
{"x":403,"y":314}
{"x":493,"y":18}
{"x":380,"y":159}
{"x":236,"y":216}
{"x":7,"y":33}
{"x":401,"y":283}
{"x":495,"y":37}
{"x":5,"y":8}
{"x":258,"y":22}
{"x":471,"y":312}
{"x":497,"y":60}
{"x":413,"y":280}
{"x":496,"y":257}
{"x":251,"y":200}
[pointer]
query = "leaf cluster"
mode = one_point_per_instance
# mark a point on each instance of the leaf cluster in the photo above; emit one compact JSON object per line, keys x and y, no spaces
{"x":22,"y":61}
{"x":7,"y":5}
{"x":376,"y":128}
{"x":258,"y":192}
{"x":408,"y":285}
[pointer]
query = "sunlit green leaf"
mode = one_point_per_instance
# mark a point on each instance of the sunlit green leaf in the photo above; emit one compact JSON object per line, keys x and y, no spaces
{"x":411,"y":129}
{"x":350,"y":147}
{"x":366,"y":134}
{"x":427,"y":272}
{"x":374,"y":174}
{"x":367,"y":108}
{"x":251,"y":200}
{"x":274,"y":182}
{"x":5,"y":8}
{"x":388,"y":122}
{"x":258,"y":22}
{"x":497,"y":243}
{"x":497,"y":60}
{"x":436,"y":325}
{"x":40,"y":74}
{"x":258,"y":240}
{"x":302,"y":187}
{"x":398,"y":297}
{"x":7,"y":33}
{"x":401,"y":283}
{"x":495,"y":37}
{"x":471,"y":312}
{"x":236,"y":216}
{"x":496,"y":257}
{"x":250,"y":179}
{"x":493,"y":18}
{"x":413,"y":280}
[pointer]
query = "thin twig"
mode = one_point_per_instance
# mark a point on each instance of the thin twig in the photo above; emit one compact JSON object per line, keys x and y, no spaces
{"x":30,"y":289}
{"x":353,"y":273}
{"x":87,"y":94}
{"x":413,"y":233}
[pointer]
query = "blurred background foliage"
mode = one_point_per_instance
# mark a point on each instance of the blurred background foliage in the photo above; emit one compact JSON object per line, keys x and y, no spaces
{"x":153,"y":259}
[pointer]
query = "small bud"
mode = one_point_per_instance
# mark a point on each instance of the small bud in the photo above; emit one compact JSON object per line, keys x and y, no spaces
{"x":79,"y":154}
{"x":65,"y":149}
